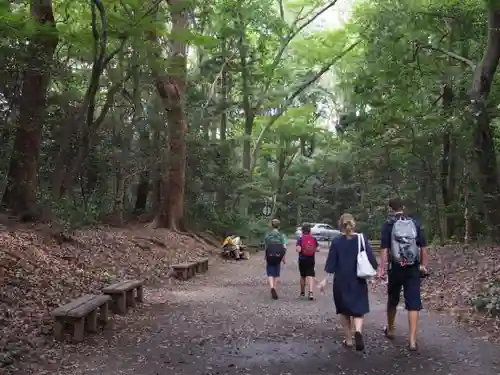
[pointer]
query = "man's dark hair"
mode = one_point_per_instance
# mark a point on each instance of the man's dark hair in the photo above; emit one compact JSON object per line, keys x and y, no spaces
{"x":396,"y":204}
{"x":306,"y":228}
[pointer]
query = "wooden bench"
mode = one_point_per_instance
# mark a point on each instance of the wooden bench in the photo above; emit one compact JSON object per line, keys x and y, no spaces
{"x":202,"y":265}
{"x":82,"y":315}
{"x":185,"y":271}
{"x":125,"y":294}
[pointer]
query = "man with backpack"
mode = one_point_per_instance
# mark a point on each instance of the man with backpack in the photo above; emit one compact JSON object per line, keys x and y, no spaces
{"x":275,"y":249}
{"x":404,"y":257}
{"x":306,"y":247}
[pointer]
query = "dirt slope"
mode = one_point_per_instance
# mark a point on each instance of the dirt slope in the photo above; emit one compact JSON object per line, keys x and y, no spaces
{"x":41,"y":269}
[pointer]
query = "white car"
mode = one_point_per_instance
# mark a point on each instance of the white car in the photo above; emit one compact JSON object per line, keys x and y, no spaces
{"x":320,"y":231}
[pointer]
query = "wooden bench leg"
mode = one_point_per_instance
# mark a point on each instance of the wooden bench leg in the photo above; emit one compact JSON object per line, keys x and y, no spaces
{"x":140,"y":294}
{"x":121,"y":303}
{"x":104,"y":313}
{"x":59,"y":325}
{"x":91,"y":322}
{"x":79,"y":329}
{"x":130,"y":298}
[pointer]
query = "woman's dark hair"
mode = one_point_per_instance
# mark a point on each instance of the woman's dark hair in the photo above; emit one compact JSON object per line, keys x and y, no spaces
{"x":306,"y":228}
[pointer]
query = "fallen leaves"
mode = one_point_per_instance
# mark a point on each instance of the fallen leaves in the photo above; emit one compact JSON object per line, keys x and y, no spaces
{"x":39,"y":272}
{"x":460,"y":273}
{"x":461,"y":277}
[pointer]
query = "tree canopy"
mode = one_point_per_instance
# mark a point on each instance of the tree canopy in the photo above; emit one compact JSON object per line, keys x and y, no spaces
{"x":219,"y":115}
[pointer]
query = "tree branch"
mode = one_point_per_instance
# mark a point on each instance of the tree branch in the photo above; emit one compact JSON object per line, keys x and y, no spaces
{"x":439,"y":15}
{"x":100,"y":42}
{"x":290,"y":100}
{"x":284,"y":44}
{"x":453,"y":55}
{"x":282,"y":9}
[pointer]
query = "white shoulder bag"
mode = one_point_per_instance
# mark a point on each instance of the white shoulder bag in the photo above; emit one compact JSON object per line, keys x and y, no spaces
{"x":365,"y":269}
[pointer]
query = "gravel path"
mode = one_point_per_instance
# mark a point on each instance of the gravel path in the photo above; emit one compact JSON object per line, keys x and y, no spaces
{"x":224,"y":322}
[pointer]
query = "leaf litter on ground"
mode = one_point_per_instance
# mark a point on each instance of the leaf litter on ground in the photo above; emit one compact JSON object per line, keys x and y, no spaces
{"x":39,"y":271}
{"x":458,"y":275}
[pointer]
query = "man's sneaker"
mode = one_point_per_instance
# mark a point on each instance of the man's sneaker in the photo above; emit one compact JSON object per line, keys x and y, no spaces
{"x":274,"y":294}
{"x":302,"y":293}
{"x":311,"y":296}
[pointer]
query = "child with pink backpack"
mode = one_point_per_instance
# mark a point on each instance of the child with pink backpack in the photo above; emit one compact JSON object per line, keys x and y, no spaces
{"x":306,"y":248}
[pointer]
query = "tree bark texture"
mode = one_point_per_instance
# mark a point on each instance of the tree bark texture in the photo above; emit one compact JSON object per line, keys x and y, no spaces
{"x":484,"y":146}
{"x":172,"y":90}
{"x":21,"y":192}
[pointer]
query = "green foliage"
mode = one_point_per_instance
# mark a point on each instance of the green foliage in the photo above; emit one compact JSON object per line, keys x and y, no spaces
{"x":377,"y":121}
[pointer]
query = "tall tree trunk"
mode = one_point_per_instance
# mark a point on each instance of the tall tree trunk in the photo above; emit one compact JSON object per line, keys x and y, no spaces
{"x":172,"y":90}
{"x":21,"y":192}
{"x":141,"y":200}
{"x":144,"y":177}
{"x":246,"y":93}
{"x":225,"y":151}
{"x":247,"y":110}
{"x":484,"y":146}
{"x":144,"y":143}
{"x":466,"y":204}
{"x":448,"y":166}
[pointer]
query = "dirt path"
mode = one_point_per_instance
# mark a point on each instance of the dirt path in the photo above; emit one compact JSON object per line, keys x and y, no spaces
{"x":224,"y":322}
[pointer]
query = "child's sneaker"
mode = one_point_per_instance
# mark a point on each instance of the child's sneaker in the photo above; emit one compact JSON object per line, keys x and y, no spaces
{"x":274,"y":294}
{"x":311,"y":296}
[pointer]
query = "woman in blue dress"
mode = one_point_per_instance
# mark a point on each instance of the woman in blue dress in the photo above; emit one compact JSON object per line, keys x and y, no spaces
{"x":350,"y":293}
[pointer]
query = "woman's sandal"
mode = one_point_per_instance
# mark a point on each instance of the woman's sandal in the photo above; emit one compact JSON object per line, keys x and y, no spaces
{"x":346,"y":345}
{"x":412,"y":347}
{"x":390,"y":336}
{"x":359,"y":343}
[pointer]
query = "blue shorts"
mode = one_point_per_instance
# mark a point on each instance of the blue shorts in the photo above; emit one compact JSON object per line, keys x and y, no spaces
{"x":273,"y":270}
{"x":407,"y":279}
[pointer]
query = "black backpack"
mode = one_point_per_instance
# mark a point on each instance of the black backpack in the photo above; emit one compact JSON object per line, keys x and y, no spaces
{"x":275,"y":250}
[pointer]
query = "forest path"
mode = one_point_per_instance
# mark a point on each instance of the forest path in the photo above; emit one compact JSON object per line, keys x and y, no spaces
{"x":224,"y":322}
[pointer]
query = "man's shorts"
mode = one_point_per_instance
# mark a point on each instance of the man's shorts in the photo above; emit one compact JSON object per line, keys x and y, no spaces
{"x":407,"y":279}
{"x":306,"y":267}
{"x":273,"y":270}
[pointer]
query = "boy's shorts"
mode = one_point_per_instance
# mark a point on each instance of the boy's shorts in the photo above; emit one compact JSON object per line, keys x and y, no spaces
{"x":408,"y":280}
{"x":306,"y":267}
{"x":273,"y":270}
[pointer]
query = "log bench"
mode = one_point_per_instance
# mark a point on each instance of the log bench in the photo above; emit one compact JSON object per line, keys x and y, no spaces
{"x":81,"y":315}
{"x":185,"y":271}
{"x":125,"y":294}
{"x":202,"y":265}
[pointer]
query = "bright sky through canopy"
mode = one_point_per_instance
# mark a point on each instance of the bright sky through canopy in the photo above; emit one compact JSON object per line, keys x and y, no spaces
{"x":333,"y":18}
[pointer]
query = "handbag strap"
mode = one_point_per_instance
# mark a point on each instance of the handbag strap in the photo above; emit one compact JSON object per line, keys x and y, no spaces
{"x":361,"y":242}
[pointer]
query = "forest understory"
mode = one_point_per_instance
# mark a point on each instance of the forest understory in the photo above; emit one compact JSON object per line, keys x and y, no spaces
{"x":217,"y":116}
{"x":40,"y":268}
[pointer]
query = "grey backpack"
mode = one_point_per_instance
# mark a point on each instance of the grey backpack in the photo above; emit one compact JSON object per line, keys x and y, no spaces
{"x":404,"y":249}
